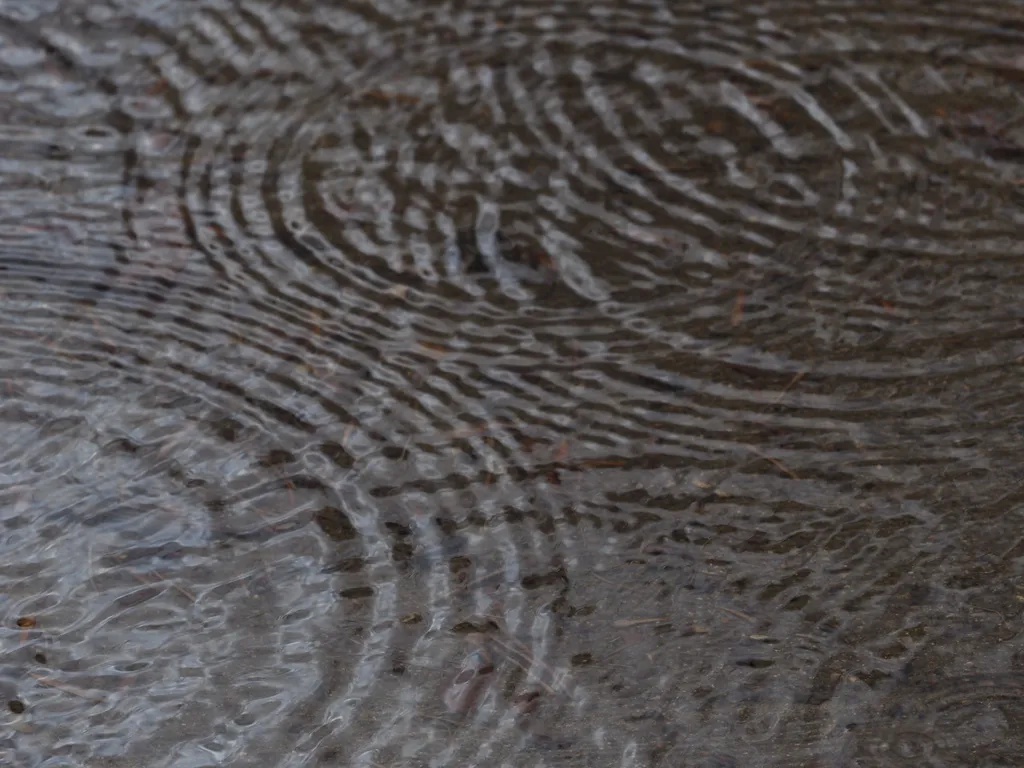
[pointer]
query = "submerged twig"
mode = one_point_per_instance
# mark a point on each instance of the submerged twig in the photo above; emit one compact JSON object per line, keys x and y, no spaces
{"x":73,"y":690}
{"x":161,"y":581}
{"x":740,"y":614}
{"x":792,"y":382}
{"x":621,"y":623}
{"x":772,"y":460}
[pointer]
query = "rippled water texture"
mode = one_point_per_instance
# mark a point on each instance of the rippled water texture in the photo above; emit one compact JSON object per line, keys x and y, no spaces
{"x":536,"y":384}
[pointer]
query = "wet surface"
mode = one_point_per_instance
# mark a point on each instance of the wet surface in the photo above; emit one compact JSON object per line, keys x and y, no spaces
{"x":615,"y":384}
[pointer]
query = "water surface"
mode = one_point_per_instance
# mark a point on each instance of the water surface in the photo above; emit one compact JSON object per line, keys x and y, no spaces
{"x":709,"y":455}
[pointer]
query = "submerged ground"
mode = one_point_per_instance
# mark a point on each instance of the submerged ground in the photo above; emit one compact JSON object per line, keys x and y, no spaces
{"x":511,"y":384}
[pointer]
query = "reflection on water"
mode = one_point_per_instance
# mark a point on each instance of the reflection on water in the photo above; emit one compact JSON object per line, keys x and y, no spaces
{"x":476,"y":383}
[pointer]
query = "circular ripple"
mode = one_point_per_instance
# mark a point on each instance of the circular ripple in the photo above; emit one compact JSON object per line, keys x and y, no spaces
{"x":716,"y":187}
{"x":963,"y":721}
{"x":785,"y":291}
{"x":708,"y":190}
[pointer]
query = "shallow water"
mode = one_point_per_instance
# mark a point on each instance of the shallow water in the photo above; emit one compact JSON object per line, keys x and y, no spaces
{"x":732,"y":479}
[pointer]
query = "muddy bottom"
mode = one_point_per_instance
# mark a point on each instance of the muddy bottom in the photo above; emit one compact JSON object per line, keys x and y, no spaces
{"x":479,"y":384}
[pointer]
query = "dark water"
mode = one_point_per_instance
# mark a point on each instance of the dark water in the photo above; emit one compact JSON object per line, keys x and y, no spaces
{"x":712,"y":459}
